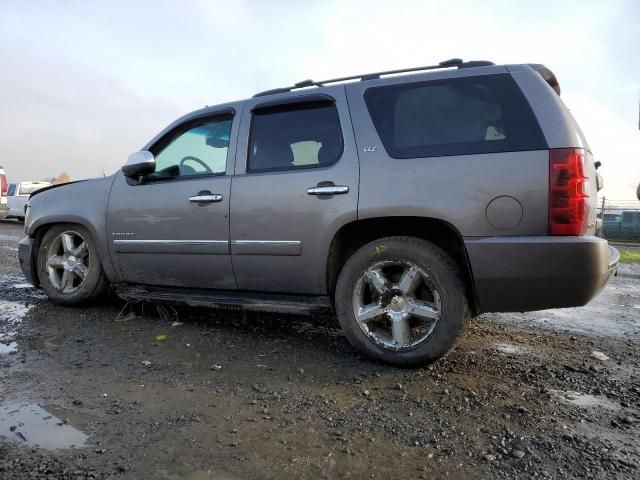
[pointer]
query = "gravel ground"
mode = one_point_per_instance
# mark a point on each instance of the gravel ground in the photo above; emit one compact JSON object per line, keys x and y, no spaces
{"x":133,"y":391}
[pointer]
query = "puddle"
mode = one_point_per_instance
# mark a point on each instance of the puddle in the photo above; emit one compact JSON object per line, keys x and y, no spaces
{"x":34,"y":426}
{"x":585,"y":400}
{"x":511,"y":348}
{"x":21,"y":285}
{"x":10,"y":348}
{"x":613,"y":313}
{"x":6,"y":247}
{"x":12,"y":312}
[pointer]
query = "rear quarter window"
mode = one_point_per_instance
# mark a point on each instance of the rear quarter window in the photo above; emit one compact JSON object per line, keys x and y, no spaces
{"x":455,"y":116}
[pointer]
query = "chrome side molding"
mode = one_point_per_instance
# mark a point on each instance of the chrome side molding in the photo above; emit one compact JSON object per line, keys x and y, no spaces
{"x":266,"y":247}
{"x":210,"y":247}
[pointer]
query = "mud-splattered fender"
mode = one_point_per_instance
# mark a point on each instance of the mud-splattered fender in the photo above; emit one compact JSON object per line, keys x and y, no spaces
{"x":84,"y":203}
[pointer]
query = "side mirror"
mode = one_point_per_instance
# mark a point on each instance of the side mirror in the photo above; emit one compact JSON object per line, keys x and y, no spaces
{"x":139,"y":164}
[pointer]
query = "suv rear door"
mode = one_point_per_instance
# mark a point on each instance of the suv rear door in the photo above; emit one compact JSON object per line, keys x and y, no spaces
{"x":292,"y":148}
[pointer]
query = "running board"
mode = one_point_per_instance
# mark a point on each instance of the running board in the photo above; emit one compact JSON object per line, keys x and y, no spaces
{"x":264,"y":302}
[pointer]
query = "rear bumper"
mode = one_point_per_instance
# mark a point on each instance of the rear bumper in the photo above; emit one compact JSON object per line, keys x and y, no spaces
{"x":4,"y":211}
{"x":25,"y":257}
{"x":517,"y":274}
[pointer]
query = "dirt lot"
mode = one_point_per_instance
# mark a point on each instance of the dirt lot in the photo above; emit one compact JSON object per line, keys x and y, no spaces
{"x":132,"y":391}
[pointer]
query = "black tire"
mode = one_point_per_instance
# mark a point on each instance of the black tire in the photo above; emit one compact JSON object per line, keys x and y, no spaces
{"x":443,"y":275}
{"x":84,"y":291}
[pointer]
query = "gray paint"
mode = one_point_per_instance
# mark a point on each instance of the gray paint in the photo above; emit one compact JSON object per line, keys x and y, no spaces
{"x":187,"y":247}
{"x":162,"y":211}
{"x":534,"y":273}
{"x":79,"y":202}
{"x":558,"y":125}
{"x":269,"y":233}
{"x":276,"y":206}
{"x":456,"y":189}
{"x":266,"y":247}
{"x":448,"y":188}
{"x":504,"y":212}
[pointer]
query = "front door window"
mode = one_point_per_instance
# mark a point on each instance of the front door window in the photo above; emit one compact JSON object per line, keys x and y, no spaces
{"x":195,"y":149}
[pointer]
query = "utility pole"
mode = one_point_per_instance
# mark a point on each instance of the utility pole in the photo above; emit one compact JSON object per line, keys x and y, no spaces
{"x":600,"y":232}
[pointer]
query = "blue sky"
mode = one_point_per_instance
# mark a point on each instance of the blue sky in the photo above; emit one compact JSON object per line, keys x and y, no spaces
{"x":84,"y":84}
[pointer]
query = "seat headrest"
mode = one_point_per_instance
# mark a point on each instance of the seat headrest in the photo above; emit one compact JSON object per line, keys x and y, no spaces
{"x":272,"y":155}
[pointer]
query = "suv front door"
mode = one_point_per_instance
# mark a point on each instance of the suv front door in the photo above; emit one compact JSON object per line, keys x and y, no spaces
{"x":171,"y":228}
{"x":295,"y":185}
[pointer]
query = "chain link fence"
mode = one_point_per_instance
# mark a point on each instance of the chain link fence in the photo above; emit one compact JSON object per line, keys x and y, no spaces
{"x":620,"y":221}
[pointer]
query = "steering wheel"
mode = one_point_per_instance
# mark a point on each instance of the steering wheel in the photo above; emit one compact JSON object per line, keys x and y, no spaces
{"x":197,"y":160}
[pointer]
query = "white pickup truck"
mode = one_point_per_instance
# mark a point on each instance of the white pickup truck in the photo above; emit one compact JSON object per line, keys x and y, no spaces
{"x":18,"y":194}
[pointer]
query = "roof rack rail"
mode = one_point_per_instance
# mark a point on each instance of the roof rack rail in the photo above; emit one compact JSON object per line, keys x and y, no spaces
{"x":453,"y":62}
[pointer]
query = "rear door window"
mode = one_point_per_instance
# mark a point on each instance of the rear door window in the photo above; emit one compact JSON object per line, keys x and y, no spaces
{"x":455,"y":116}
{"x":289,"y":137}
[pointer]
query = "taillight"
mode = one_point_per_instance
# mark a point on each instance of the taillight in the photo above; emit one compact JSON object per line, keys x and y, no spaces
{"x":3,"y":185}
{"x":568,"y":192}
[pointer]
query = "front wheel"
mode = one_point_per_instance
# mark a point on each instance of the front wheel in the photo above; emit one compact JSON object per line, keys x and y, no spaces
{"x":69,"y":269}
{"x":401,"y":300}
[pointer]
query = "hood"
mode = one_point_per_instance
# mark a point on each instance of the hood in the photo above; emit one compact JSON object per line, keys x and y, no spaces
{"x":38,"y":192}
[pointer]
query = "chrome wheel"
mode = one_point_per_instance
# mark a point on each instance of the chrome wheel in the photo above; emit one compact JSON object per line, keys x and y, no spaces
{"x":68,"y":262}
{"x":396,"y":304}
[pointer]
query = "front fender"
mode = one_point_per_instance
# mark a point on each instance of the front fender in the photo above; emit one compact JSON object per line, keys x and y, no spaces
{"x":83,"y":203}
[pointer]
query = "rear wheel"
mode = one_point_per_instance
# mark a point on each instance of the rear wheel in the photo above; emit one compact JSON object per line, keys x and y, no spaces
{"x":401,"y":300}
{"x":68,"y":266}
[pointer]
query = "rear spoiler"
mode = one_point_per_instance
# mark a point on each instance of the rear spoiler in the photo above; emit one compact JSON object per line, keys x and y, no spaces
{"x":548,"y":76}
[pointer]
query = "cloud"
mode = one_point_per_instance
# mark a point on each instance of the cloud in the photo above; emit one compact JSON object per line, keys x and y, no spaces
{"x":89,"y":82}
{"x":63,"y":117}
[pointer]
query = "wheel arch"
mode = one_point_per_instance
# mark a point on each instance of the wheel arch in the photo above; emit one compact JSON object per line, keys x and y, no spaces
{"x":351,"y":236}
{"x":42,"y":225}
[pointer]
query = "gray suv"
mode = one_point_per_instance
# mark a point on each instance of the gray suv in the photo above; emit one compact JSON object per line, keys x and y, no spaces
{"x":407,"y":201}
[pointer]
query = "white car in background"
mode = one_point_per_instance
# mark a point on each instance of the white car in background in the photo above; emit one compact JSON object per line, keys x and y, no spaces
{"x":18,"y":195}
{"x":4,"y":209}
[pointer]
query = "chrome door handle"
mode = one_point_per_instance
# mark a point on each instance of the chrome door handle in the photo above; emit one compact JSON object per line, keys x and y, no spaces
{"x":328,"y":190}
{"x":208,"y":198}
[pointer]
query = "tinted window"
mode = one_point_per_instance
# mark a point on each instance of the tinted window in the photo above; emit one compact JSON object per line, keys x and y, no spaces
{"x":454,"y":116}
{"x":198,"y":148}
{"x":295,"y":136}
{"x":12,"y":189}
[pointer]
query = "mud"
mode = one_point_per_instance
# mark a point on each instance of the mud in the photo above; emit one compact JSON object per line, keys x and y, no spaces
{"x":224,"y":395}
